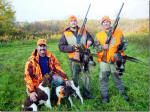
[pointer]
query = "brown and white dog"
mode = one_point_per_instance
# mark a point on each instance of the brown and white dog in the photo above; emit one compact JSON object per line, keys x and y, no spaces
{"x":63,"y":91}
{"x":43,"y":95}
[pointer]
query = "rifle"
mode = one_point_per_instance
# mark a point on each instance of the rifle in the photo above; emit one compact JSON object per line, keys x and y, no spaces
{"x":79,"y":46}
{"x":82,"y":27}
{"x":85,"y":54}
{"x":111,"y":31}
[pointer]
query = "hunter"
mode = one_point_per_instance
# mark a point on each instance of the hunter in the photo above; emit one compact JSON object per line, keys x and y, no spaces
{"x":40,"y":63}
{"x":67,"y":44}
{"x":108,"y":67}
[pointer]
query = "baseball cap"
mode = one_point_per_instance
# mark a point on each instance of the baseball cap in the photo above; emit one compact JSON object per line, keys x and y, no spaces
{"x":41,"y":41}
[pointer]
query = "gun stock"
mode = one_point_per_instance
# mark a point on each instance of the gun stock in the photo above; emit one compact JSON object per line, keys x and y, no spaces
{"x":104,"y":56}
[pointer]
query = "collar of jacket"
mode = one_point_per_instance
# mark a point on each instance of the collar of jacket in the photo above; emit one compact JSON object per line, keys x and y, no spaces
{"x":68,"y":29}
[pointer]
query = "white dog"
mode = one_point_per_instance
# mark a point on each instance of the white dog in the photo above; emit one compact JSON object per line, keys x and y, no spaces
{"x":67,"y":91}
{"x":43,"y":95}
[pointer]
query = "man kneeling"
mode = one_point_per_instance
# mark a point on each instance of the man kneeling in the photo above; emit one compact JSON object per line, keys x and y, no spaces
{"x":40,"y":63}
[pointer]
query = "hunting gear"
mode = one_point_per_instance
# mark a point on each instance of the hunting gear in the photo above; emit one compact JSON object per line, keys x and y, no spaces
{"x":110,"y":45}
{"x":40,"y":63}
{"x":75,"y":41}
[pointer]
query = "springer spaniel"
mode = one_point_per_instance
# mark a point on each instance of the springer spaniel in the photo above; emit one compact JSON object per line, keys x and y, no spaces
{"x":43,"y":95}
{"x":63,"y":91}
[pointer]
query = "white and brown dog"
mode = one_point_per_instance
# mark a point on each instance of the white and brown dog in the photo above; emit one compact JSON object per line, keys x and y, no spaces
{"x":43,"y":95}
{"x":63,"y":91}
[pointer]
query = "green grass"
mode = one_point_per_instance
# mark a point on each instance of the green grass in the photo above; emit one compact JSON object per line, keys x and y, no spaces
{"x":13,"y":56}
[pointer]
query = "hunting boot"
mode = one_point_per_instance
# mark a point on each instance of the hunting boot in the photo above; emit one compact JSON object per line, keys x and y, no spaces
{"x":125,"y":96}
{"x":87,"y":94}
{"x":105,"y":98}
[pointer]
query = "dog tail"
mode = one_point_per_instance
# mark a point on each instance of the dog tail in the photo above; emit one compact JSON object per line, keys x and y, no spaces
{"x":22,"y":106}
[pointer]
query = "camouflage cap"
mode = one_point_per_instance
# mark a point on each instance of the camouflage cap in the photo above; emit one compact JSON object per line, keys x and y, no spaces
{"x":41,"y":41}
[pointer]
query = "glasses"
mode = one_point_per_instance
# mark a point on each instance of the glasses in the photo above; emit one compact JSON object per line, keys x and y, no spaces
{"x":106,"y":22}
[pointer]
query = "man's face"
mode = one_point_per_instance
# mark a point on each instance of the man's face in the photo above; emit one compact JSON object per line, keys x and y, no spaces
{"x":106,"y":25}
{"x":41,"y":49}
{"x":73,"y":23}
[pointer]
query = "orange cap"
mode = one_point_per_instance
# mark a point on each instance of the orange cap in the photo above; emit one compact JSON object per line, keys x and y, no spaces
{"x":41,"y":41}
{"x":72,"y":18}
{"x":105,"y":18}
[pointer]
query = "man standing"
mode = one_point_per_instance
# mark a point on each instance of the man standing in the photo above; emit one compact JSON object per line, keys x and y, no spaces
{"x":107,"y":67}
{"x":67,"y":44}
{"x":40,"y":63}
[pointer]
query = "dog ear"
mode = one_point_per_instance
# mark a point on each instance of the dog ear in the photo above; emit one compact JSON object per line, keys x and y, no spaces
{"x":47,"y":80}
{"x":41,"y":94}
{"x":44,"y":81}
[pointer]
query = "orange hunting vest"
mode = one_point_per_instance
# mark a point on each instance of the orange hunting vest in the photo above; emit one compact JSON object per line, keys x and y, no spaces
{"x":115,"y":41}
{"x":71,"y":39}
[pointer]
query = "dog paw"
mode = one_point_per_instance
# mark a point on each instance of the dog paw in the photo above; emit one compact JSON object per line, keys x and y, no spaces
{"x":49,"y":106}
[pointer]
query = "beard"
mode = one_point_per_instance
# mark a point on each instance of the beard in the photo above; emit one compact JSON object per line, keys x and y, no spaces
{"x":42,"y":52}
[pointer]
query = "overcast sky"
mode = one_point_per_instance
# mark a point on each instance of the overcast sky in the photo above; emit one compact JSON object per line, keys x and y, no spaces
{"x":41,"y":10}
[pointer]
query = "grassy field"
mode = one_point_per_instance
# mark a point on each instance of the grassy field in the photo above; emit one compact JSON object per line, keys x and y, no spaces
{"x":13,"y":56}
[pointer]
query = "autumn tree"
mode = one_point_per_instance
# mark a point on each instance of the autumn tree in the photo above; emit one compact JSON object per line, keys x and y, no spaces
{"x":7,"y":18}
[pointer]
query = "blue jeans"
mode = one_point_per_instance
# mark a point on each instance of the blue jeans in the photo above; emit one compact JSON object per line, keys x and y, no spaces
{"x":56,"y":81}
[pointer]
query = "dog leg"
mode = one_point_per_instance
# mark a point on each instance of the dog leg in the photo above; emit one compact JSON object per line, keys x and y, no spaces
{"x":77,"y":91}
{"x":48,"y":104}
{"x":69,"y":98}
{"x":79,"y":94}
{"x":81,"y":99}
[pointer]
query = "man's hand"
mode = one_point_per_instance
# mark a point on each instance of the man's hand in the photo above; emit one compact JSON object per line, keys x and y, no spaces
{"x":33,"y":96}
{"x":89,"y":43}
{"x":120,"y":47}
{"x":105,"y":46}
{"x":68,"y":83}
{"x":76,"y":47}
{"x":77,"y":56}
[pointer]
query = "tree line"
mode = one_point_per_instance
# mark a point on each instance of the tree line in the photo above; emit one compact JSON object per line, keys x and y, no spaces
{"x":10,"y":29}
